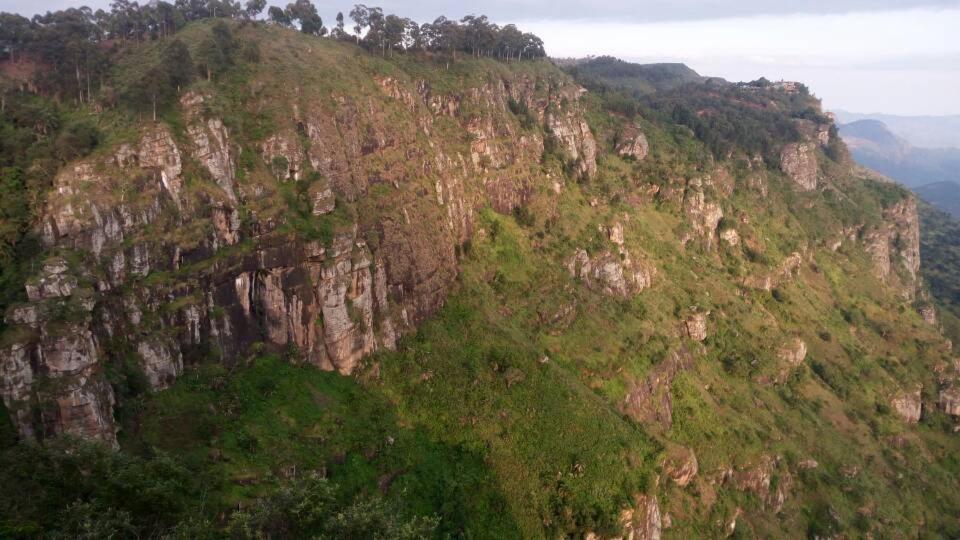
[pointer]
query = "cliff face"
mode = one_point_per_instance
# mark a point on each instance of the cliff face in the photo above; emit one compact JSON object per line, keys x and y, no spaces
{"x":170,"y":206}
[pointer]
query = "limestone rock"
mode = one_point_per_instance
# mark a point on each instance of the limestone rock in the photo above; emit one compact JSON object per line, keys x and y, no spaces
{"x":793,"y":353}
{"x":610,"y":274}
{"x":895,"y":245}
{"x":633,"y":145}
{"x":53,"y":282}
{"x":643,"y":521}
{"x":950,"y":400}
{"x":681,"y":466}
{"x":730,"y":236}
{"x":908,"y":406}
{"x":929,"y":314}
{"x":799,"y":162}
{"x":649,"y":401}
{"x":161,"y":363}
{"x":695,"y":326}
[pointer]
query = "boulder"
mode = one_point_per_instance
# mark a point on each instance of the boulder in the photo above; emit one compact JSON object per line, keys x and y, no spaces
{"x":793,"y":353}
{"x":695,"y":326}
{"x":908,"y":406}
{"x":681,"y":466}
{"x":634,"y":145}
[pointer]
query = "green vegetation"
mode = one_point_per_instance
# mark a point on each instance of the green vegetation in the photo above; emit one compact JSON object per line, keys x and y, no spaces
{"x":505,"y":414}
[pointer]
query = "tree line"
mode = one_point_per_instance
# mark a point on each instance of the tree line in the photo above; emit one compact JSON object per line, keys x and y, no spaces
{"x":75,"y":44}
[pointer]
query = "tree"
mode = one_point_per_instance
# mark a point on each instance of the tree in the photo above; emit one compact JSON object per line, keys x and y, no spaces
{"x":216,"y":50}
{"x":360,"y":16}
{"x":339,"y":32}
{"x":375,"y":33}
{"x":254,"y":8}
{"x":279,"y":17}
{"x":306,"y":13}
{"x":394,"y":28}
{"x":15,"y":32}
{"x":178,"y":64}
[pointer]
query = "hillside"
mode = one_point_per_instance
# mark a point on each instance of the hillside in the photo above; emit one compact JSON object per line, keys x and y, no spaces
{"x":636,"y":78}
{"x":339,"y":292}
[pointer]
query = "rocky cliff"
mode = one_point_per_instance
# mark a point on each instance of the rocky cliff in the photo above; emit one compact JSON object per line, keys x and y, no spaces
{"x":160,"y":247}
{"x":616,"y":325}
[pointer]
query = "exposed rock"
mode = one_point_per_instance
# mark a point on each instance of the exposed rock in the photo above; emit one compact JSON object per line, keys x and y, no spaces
{"x":755,"y":479}
{"x":285,"y":145}
{"x":633,"y":145}
{"x":950,"y":400}
{"x":695,"y":326}
{"x":161,"y":363}
{"x":129,"y":208}
{"x":808,"y":464}
{"x":615,"y":275}
{"x":53,"y":282}
{"x":159,"y":152}
{"x":730,"y":236}
{"x":929,"y":314}
{"x":730,"y":527}
{"x":896,"y":239}
{"x":642,"y":522}
{"x":799,"y":162}
{"x":571,"y":129}
{"x":788,"y":269}
{"x":793,"y":353}
{"x":211,"y":144}
{"x":704,"y":216}
{"x":681,"y":465}
{"x":649,"y":401}
{"x":908,"y":406}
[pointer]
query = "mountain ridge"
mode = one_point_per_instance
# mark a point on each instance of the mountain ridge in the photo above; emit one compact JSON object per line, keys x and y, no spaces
{"x":477,"y":291}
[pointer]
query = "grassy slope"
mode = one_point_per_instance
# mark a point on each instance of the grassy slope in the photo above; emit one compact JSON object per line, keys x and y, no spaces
{"x":505,"y":425}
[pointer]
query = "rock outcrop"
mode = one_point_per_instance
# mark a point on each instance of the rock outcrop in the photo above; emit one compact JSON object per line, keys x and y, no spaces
{"x":894,"y":247}
{"x":649,"y":401}
{"x":949,"y":400}
{"x":793,"y":353}
{"x":799,"y":162}
{"x":165,"y":267}
{"x":908,"y":406}
{"x":643,"y":521}
{"x":633,"y":144}
{"x":695,"y":326}
{"x":681,"y":466}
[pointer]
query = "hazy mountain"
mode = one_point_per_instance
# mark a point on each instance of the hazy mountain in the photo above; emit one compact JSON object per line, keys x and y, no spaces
{"x":922,"y":131}
{"x":874,"y":145}
{"x":943,"y":195}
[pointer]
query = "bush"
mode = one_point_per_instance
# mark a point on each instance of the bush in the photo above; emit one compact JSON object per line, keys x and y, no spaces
{"x":77,"y":140}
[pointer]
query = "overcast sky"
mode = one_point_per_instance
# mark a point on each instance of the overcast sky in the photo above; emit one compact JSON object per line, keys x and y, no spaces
{"x":891,"y":56}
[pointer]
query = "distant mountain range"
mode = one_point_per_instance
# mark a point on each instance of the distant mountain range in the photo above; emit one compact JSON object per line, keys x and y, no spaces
{"x":921,"y":131}
{"x":932,"y":173}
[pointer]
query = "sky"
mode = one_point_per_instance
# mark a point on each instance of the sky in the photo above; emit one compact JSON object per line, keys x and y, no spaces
{"x":886,"y":56}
